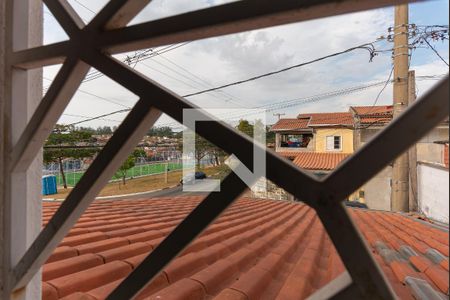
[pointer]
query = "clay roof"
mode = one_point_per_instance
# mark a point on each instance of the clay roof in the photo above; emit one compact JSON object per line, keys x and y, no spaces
{"x":319,"y":161}
{"x":329,"y":119}
{"x":290,"y":124}
{"x":258,"y":249}
{"x":288,"y":154}
{"x":371,"y":110}
{"x":374,"y":114}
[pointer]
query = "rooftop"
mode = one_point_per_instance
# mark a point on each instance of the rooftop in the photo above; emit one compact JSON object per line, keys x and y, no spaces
{"x":329,"y":119}
{"x":258,"y":249}
{"x":366,"y":115}
{"x":319,"y":161}
{"x":291,"y":124}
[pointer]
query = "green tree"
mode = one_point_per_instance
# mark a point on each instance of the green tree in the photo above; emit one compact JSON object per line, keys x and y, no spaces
{"x":161,"y":132}
{"x":244,"y":126}
{"x":63,"y":143}
{"x":104,"y":130}
{"x":122,"y":171}
{"x":202,"y":148}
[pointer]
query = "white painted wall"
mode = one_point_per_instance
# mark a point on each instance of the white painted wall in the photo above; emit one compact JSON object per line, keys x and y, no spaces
{"x":433,"y":191}
{"x":378,"y":190}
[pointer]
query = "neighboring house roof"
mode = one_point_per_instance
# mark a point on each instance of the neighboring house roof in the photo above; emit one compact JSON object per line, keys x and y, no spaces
{"x":290,"y":124}
{"x":319,"y":161}
{"x":329,"y":119}
{"x":371,"y":110}
{"x":374,"y":114}
{"x":257,"y":249}
{"x":289,"y":154}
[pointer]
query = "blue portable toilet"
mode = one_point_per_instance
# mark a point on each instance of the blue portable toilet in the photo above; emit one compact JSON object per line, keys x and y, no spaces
{"x":49,"y":185}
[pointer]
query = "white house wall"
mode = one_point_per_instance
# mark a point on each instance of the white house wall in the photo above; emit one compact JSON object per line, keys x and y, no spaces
{"x":433,"y":192}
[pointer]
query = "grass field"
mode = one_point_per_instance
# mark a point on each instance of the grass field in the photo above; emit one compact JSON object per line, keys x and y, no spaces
{"x":142,"y":184}
{"x":72,"y":178}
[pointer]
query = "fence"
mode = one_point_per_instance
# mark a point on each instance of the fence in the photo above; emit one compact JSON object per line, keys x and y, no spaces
{"x":73,"y":175}
{"x":140,"y":170}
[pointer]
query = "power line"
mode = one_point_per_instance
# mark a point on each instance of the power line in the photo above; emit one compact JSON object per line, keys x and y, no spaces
{"x":369,"y":47}
{"x":86,"y":117}
{"x":97,"y":96}
{"x":138,"y":58}
{"x":286,"y":103}
{"x":100,"y":117}
{"x":85,"y":7}
{"x":384,"y":87}
{"x":437,"y":53}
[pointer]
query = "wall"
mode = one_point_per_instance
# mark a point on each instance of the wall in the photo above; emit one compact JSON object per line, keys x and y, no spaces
{"x":427,"y":149}
{"x":433,"y":191}
{"x":347,"y":139}
{"x":378,"y":190}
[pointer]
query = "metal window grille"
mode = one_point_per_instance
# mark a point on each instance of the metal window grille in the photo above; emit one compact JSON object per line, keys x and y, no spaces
{"x":93,"y":44}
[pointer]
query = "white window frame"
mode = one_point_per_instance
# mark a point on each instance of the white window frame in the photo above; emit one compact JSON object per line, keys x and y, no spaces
{"x":341,"y":139}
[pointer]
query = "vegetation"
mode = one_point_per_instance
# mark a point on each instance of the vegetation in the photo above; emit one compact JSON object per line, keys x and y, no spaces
{"x":129,"y":163}
{"x":161,"y":132}
{"x":58,"y":146}
{"x":122,"y":171}
{"x":144,"y":184}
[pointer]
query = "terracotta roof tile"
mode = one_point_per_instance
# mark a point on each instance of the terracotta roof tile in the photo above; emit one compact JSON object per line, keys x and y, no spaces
{"x":288,"y":154}
{"x":328,"y":119}
{"x":257,"y":249}
{"x":319,"y":161}
{"x":374,"y":114}
{"x":370,"y":110}
{"x":290,"y":124}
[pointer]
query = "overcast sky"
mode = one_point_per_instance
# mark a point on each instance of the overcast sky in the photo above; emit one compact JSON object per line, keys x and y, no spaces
{"x":217,"y":61}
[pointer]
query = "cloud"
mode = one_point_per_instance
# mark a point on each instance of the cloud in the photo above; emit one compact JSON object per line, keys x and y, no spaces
{"x":221,"y":60}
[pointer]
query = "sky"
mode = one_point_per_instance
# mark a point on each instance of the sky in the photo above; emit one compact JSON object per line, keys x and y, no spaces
{"x":212,"y":62}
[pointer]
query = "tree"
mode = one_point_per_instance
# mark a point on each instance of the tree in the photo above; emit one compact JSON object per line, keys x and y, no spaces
{"x":63,"y":143}
{"x":104,"y":130}
{"x":245,"y":127}
{"x":161,"y":132}
{"x":128,"y":164}
{"x":202,"y":148}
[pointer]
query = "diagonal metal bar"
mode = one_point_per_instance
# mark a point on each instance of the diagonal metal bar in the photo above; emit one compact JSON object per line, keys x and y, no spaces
{"x":69,"y":20}
{"x":413,"y":124}
{"x":48,"y":112}
{"x":203,"y":215}
{"x":117,"y":13}
{"x":63,"y":88}
{"x":126,"y":137}
{"x":225,"y":19}
{"x":229,"y":18}
{"x":41,"y":56}
{"x":356,"y":256}
{"x":218,"y":133}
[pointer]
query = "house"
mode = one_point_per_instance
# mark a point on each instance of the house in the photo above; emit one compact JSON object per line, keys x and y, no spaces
{"x":316,"y":142}
{"x":430,"y":186}
{"x":257,"y":249}
{"x":317,"y":132}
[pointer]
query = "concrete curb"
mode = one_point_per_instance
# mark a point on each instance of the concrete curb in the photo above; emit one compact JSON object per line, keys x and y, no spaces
{"x":118,"y":196}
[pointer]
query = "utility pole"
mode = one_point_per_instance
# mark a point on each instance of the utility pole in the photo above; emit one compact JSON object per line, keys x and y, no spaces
{"x":279,"y":115}
{"x":400,"y":171}
{"x":413,"y":195}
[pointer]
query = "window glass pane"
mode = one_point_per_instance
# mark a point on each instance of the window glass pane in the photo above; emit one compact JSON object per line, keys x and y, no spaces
{"x":330,"y":143}
{"x":337,"y":142}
